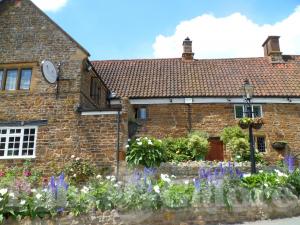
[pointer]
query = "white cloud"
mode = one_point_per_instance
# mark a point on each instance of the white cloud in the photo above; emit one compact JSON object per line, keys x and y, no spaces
{"x":50,"y":5}
{"x":231,"y":36}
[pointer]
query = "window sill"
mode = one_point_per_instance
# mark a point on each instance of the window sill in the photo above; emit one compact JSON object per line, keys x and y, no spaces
{"x":17,"y":157}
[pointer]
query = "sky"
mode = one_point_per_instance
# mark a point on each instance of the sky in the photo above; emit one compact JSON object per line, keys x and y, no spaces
{"x":132,"y":29}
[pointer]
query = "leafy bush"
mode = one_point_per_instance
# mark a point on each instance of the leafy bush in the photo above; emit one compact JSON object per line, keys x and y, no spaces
{"x":177,"y":149}
{"x":265,"y":179}
{"x":79,"y":171}
{"x":192,"y":147}
{"x":178,"y":195}
{"x":198,"y":144}
{"x":229,"y":133}
{"x":294,"y":180}
{"x":148,"y":152}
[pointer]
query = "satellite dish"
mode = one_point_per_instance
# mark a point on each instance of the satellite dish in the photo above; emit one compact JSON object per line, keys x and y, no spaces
{"x":49,"y":71}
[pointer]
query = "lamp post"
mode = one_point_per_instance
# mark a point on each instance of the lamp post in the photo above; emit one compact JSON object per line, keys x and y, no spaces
{"x":248,"y":90}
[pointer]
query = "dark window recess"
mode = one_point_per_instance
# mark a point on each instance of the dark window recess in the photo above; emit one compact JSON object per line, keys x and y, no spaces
{"x":239,"y":111}
{"x":261,"y":144}
{"x":141,"y":113}
{"x":95,"y":91}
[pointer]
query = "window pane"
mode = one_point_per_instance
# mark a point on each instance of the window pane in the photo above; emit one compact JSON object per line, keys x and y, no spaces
{"x":142,"y":113}
{"x":239,"y":111}
{"x":261,"y":144}
{"x":257,"y":110}
{"x":25,"y":79}
{"x":11,"y":80}
{"x":1,"y":78}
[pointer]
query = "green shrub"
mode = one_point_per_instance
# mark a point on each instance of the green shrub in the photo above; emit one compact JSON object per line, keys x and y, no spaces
{"x":79,"y":171}
{"x":229,"y":133}
{"x":148,"y":152}
{"x":294,"y":180}
{"x":198,"y":144}
{"x":178,"y":195}
{"x":177,"y":149}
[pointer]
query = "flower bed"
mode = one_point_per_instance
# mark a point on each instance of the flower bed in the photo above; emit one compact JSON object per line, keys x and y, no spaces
{"x":223,"y":188}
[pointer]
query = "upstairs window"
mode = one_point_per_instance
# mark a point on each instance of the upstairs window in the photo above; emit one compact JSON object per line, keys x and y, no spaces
{"x":95,"y":91}
{"x":15,"y":79}
{"x":241,"y":111}
{"x":17,"y":142}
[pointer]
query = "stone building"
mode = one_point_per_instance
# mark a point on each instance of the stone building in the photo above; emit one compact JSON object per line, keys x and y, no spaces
{"x":50,"y":121}
{"x":170,"y":97}
{"x":55,"y":103}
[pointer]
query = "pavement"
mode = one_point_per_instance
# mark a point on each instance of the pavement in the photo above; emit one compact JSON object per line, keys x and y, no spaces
{"x":286,"y":221}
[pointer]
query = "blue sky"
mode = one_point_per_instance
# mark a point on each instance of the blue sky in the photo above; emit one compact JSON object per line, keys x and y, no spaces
{"x":118,"y":29}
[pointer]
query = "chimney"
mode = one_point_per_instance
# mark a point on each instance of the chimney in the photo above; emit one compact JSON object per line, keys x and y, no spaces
{"x":187,"y":50}
{"x":272,"y":48}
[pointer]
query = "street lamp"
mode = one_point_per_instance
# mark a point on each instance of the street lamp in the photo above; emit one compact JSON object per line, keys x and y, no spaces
{"x":248,"y":90}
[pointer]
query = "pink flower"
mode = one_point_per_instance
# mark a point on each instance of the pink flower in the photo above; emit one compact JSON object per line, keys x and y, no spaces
{"x":2,"y":173}
{"x":27,"y":173}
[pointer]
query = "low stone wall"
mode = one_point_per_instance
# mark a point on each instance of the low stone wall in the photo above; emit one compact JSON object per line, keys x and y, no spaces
{"x":185,"y":216}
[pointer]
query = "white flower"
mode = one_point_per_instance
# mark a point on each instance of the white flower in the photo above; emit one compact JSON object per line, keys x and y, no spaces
{"x":139,"y":143}
{"x":266,"y":185}
{"x":247,"y":175}
{"x":33,"y":190}
{"x":77,"y":158}
{"x":72,"y":156}
{"x":127,"y":146}
{"x":129,"y":139}
{"x":138,"y":139}
{"x":113,"y":178}
{"x":22,"y":202}
{"x":186,"y":182}
{"x":145,"y":138}
{"x":159,"y":141}
{"x":99,"y":176}
{"x":156,"y":188}
{"x":150,"y":142}
{"x":12,"y":195}
{"x":116,"y":185}
{"x":3,"y":191}
{"x":1,"y":199}
{"x":260,"y":171}
{"x":74,"y":175}
{"x":45,"y":190}
{"x":38,"y":196}
{"x":280,"y":174}
{"x":173,"y":176}
{"x":85,"y":189}
{"x":165,"y":177}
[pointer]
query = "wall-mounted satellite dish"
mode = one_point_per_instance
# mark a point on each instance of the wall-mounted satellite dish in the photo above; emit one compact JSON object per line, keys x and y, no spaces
{"x":49,"y":71}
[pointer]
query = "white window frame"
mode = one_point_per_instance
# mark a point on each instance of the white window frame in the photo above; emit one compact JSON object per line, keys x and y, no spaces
{"x":21,"y":135}
{"x":252,"y":105}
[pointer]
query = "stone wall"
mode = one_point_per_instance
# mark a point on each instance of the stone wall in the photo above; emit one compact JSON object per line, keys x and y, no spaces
{"x":185,"y":216}
{"x":281,"y":121}
{"x":27,"y":37}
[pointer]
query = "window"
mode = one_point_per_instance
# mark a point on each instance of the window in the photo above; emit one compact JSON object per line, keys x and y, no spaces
{"x":11,"y":80}
{"x":95,"y":90}
{"x":241,"y":111}
{"x":25,"y":79}
{"x":15,"y":79}
{"x":17,"y":142}
{"x":141,"y":113}
{"x":260,"y":143}
{"x":1,"y":79}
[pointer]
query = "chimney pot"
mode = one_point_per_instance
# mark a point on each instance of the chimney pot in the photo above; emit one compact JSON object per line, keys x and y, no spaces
{"x":187,"y":50}
{"x":272,"y":48}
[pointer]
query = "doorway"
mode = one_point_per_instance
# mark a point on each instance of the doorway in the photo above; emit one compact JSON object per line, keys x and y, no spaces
{"x":216,"y":150}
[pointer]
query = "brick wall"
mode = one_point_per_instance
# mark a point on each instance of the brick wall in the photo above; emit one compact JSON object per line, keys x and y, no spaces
{"x":282,"y":121}
{"x":27,"y":37}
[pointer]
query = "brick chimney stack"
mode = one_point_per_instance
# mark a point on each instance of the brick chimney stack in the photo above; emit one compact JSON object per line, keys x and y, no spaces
{"x":272,"y":48}
{"x":187,"y":50}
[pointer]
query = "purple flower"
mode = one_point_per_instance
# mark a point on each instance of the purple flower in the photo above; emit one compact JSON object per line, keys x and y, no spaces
{"x":290,"y":162}
{"x":149,"y":189}
{"x":197,"y":184}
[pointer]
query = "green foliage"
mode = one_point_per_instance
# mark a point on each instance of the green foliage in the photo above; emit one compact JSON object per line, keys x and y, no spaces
{"x":148,"y":152}
{"x":294,"y":180}
{"x":177,"y":149}
{"x":229,"y":133}
{"x":79,"y":171}
{"x":192,"y":147}
{"x":178,"y":196}
{"x":198,"y":144}
{"x":264,"y":179}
